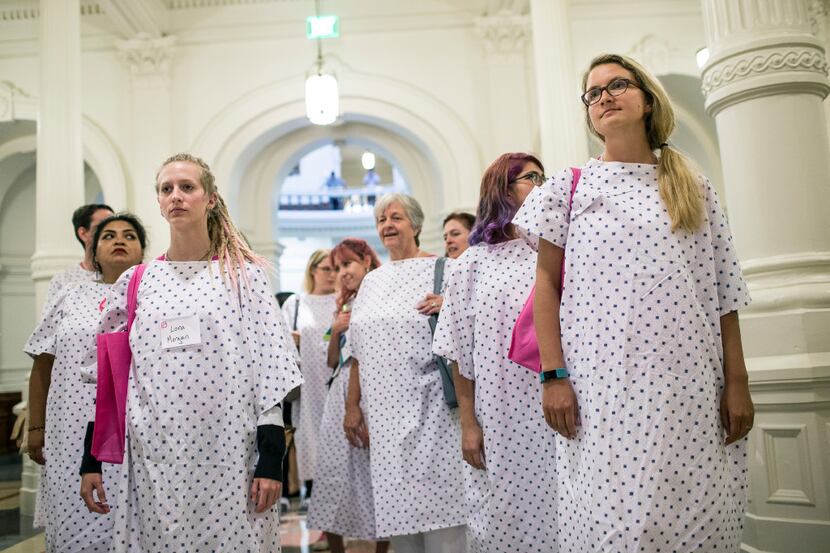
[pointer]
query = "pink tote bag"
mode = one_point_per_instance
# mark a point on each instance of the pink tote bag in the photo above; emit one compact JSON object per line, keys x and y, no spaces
{"x":524,"y":347}
{"x":114,"y":362}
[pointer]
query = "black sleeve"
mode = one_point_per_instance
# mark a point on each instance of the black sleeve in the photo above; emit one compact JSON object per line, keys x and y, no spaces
{"x":270,"y":441}
{"x":89,"y":463}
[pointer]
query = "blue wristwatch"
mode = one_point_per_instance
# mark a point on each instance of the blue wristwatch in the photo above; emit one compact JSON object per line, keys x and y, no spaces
{"x":553,"y":374}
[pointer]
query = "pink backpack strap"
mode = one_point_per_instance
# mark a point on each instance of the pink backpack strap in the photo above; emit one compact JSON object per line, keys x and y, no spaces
{"x":577,"y":172}
{"x":132,"y":293}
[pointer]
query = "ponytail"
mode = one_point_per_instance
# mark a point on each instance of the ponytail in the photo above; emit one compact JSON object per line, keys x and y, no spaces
{"x":679,"y":185}
{"x":680,"y":190}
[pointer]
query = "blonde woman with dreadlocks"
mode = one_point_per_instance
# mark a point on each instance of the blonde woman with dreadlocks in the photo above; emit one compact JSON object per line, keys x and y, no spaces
{"x":211,"y":364}
{"x":643,"y":374}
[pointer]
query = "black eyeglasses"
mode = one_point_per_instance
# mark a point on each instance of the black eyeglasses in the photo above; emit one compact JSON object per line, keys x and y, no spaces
{"x":533,"y":176}
{"x":614,"y":88}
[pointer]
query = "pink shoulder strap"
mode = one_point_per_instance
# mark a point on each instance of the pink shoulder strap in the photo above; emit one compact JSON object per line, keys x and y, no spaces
{"x":577,"y":172}
{"x":132,"y":293}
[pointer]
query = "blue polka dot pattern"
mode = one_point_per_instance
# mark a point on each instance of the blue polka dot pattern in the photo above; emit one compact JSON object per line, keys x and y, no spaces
{"x":192,"y":411}
{"x":640,"y":318}
{"x":486,"y":290}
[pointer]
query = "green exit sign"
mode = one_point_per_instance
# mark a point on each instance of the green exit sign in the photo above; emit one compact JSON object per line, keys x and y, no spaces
{"x":322,"y":26}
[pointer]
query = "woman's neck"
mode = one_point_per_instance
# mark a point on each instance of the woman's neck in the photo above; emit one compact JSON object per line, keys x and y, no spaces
{"x":109,"y":274}
{"x":320,"y":292}
{"x":628,"y":147}
{"x":189,"y":245}
{"x":406,"y":253}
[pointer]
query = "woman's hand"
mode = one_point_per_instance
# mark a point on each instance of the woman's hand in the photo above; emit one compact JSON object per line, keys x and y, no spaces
{"x":264,"y":493}
{"x":341,"y":322}
{"x":472,"y":445}
{"x":560,"y":406}
{"x":355,"y":427}
{"x":737,"y":413}
{"x":34,"y":446}
{"x":92,"y":481}
{"x":430,"y":305}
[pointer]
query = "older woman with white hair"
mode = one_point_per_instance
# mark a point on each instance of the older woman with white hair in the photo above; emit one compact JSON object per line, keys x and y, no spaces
{"x":417,"y":472}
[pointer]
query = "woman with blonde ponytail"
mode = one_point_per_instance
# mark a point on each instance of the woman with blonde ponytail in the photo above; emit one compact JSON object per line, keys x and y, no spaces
{"x":643,"y":375}
{"x":211,"y":363}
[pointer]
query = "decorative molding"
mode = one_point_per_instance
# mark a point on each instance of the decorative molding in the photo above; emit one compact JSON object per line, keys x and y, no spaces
{"x":146,"y":55}
{"x":787,"y":456}
{"x":505,"y":33}
{"x":21,"y":13}
{"x":654,"y":53}
{"x":9,"y":93}
{"x":818,"y":11}
{"x":194,"y":4}
{"x":808,"y":59}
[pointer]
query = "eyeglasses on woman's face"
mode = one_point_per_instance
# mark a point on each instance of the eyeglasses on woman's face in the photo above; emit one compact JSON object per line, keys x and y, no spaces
{"x":534,"y":177}
{"x":614,"y":88}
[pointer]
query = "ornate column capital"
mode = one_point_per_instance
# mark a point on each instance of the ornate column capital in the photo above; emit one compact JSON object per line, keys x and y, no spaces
{"x":756,"y":51}
{"x":147,"y":56}
{"x":503,"y":33}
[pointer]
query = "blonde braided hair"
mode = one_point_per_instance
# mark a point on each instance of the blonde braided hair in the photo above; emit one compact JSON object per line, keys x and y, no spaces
{"x":226,"y":242}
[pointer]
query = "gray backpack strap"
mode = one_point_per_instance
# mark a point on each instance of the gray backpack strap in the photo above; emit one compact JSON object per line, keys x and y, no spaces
{"x":296,"y":312}
{"x":443,"y":366}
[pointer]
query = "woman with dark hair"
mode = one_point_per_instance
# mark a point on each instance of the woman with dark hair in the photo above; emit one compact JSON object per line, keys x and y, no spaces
{"x":643,"y":374}
{"x":503,"y":433}
{"x":211,"y":364}
{"x":342,"y":503}
{"x":457,"y":226}
{"x":60,"y":403}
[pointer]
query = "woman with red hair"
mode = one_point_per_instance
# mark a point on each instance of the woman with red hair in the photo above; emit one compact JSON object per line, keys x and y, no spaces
{"x":503,"y":432}
{"x":343,"y":504}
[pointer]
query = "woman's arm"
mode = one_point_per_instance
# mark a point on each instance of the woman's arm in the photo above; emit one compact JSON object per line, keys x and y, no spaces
{"x":353,"y":423}
{"x":472,"y":438}
{"x":736,"y":408}
{"x":558,"y":397}
{"x":39,"y":381}
{"x":338,"y":327}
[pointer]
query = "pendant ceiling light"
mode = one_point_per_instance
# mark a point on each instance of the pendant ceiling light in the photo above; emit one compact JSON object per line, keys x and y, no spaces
{"x":322,"y":96}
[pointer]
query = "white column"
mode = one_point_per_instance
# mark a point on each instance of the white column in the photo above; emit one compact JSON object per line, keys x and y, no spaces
{"x":505,"y":37}
{"x":764,"y":83}
{"x":562,"y":129}
{"x":272,"y":251}
{"x":60,"y":165}
{"x":148,"y":59}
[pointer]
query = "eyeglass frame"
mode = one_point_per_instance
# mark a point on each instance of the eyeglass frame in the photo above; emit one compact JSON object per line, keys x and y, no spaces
{"x":601,"y":89}
{"x":538,"y":181}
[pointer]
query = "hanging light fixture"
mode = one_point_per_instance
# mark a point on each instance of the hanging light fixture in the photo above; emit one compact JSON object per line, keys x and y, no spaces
{"x":322,"y":96}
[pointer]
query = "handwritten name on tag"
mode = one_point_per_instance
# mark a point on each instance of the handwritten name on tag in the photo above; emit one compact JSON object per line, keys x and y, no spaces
{"x":179,"y":332}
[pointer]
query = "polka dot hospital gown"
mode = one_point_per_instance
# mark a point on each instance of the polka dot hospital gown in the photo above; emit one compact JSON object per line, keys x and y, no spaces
{"x":192,"y":411}
{"x":416,"y":463}
{"x":640,"y":318}
{"x":313,"y":319}
{"x":342,"y":502}
{"x":515,"y":509}
{"x":66,"y":331}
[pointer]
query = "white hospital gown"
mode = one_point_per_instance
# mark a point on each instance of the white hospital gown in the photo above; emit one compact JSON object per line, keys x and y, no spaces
{"x":486,"y":290}
{"x":416,"y":463}
{"x":342,"y":502}
{"x":313,"y":319}
{"x":193,"y":410}
{"x":640,"y":318}
{"x":66,"y":331}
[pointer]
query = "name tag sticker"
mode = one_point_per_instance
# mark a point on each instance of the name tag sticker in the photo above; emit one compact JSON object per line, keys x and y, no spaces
{"x":179,"y":332}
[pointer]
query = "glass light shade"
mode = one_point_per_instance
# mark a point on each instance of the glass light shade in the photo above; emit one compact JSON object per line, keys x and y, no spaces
{"x":368,"y":160}
{"x":322,"y":99}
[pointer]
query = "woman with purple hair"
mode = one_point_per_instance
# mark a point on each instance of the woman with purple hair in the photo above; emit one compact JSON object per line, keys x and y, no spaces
{"x":503,"y":432}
